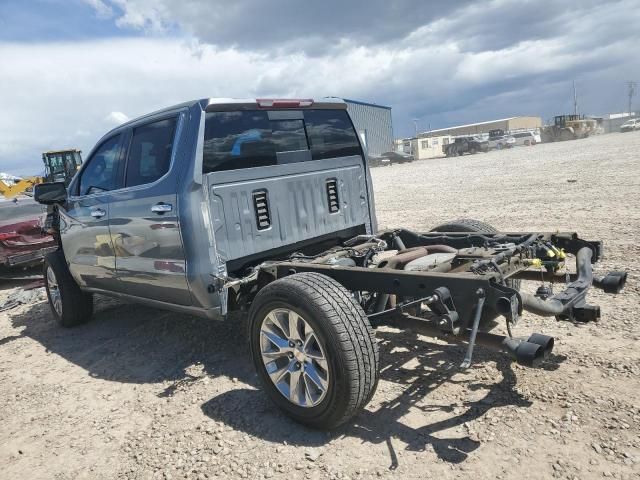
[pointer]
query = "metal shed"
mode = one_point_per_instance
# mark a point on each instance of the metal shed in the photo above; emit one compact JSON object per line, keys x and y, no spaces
{"x":373,"y":124}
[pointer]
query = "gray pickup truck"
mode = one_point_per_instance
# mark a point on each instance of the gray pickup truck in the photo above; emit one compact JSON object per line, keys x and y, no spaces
{"x":267,"y":205}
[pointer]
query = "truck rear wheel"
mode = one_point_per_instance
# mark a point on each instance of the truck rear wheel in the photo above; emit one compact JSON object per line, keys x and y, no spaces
{"x":314,"y":349}
{"x":69,"y":305}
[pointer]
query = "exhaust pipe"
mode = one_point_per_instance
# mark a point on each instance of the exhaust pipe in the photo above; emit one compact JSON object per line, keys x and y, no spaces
{"x":563,"y":304}
{"x":529,"y":353}
{"x":524,"y":353}
{"x":612,"y":282}
{"x":545,"y":341}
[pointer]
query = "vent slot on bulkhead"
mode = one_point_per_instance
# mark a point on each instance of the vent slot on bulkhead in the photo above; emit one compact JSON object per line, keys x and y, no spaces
{"x":261,"y":205}
{"x":332,"y":195}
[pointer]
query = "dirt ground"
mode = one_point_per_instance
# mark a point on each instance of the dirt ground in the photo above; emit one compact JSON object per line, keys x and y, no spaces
{"x":141,"y":393}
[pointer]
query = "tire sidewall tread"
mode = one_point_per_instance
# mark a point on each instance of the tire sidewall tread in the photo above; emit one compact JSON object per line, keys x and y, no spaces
{"x":347,"y":337}
{"x":77,"y":306}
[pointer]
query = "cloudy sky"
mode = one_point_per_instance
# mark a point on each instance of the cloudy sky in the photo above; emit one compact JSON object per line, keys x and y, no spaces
{"x":72,"y":69}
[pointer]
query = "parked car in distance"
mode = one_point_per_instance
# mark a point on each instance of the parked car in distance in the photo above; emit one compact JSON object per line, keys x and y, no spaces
{"x":398,"y":157}
{"x":376,"y":161}
{"x":526,"y":138}
{"x":462,"y":145}
{"x":630,"y":125}
{"x":503,"y":141}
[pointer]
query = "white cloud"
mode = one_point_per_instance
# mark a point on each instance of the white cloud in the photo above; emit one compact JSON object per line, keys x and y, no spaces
{"x":58,"y":95}
{"x":150,"y":15}
{"x":102,"y":9}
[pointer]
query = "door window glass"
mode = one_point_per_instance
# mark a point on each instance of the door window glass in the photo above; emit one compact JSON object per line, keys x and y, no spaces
{"x":149,"y":155}
{"x":101,"y":172}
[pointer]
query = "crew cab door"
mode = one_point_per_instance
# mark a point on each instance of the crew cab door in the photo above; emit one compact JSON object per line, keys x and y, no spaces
{"x":84,"y":222}
{"x":144,"y":224}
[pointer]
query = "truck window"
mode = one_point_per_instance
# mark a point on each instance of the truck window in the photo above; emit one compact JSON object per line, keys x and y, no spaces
{"x":331,"y":134}
{"x":149,"y":154}
{"x":247,"y":139}
{"x":235,"y":140}
{"x":101,"y":172}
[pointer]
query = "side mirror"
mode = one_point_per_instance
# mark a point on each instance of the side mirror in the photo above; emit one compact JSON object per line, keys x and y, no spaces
{"x":50,"y":193}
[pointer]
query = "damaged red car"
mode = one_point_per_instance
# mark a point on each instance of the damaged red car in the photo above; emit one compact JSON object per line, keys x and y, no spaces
{"x":22,"y":241}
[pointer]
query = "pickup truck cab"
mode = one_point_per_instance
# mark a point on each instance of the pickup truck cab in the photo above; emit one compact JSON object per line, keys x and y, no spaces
{"x":168,"y":205}
{"x":267,"y":205}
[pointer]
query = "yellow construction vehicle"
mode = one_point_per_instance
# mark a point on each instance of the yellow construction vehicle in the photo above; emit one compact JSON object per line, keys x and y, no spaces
{"x":59,"y":165}
{"x":19,"y":187}
{"x":568,"y":127}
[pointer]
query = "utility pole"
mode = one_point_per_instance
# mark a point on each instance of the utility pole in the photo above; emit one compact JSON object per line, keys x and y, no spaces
{"x":575,"y":99}
{"x":631,"y":90}
{"x":415,"y":124}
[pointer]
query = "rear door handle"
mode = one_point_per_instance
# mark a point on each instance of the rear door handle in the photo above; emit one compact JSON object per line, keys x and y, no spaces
{"x":162,"y":208}
{"x":98,"y":213}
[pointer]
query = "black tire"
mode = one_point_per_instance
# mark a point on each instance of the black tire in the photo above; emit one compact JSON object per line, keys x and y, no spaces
{"x":465,"y":225}
{"x":345,"y":335}
{"x":473,"y":226}
{"x":76,"y":306}
{"x":473,"y":151}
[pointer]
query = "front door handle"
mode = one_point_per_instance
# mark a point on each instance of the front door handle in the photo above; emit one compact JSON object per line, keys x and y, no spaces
{"x":98,"y":213}
{"x":162,"y":208}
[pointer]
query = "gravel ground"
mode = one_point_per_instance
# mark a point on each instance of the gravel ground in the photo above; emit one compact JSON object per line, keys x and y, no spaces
{"x":141,"y":393}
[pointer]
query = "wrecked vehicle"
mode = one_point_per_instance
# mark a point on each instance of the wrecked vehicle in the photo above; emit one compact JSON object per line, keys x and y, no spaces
{"x":22,"y":241}
{"x":267,"y":205}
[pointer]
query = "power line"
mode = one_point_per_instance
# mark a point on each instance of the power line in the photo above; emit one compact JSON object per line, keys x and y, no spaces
{"x":631,"y":90}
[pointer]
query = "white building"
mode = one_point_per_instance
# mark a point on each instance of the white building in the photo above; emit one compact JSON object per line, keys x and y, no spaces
{"x":423,"y":147}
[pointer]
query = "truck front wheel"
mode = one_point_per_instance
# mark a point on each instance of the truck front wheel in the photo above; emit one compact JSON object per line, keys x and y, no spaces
{"x":69,"y":305}
{"x":314,"y":349}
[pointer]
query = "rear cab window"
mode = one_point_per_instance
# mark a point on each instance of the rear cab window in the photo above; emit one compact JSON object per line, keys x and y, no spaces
{"x":255,"y":138}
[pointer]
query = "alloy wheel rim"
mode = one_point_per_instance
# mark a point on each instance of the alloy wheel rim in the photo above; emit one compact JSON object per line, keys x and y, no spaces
{"x":294,"y":357}
{"x":54,"y":291}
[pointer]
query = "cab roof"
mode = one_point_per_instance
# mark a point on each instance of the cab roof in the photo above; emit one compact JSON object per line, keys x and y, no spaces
{"x":226,"y":104}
